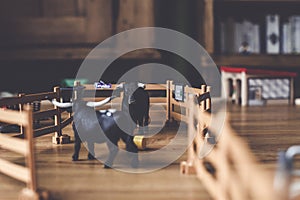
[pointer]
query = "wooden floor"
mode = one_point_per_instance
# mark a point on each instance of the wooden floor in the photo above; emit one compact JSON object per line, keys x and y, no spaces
{"x":266,"y":129}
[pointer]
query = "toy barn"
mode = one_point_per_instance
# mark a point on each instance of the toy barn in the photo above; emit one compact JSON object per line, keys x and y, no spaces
{"x":149,"y":99}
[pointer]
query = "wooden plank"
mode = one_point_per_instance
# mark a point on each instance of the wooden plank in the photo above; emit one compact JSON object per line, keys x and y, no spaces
{"x":13,"y":170}
{"x":156,"y":87}
{"x":13,"y":144}
{"x":50,"y":129}
{"x":45,"y":130}
{"x":191,"y":90}
{"x":45,"y":114}
{"x":10,"y":101}
{"x":13,"y":117}
{"x":157,"y":100}
{"x":29,"y":98}
{"x":69,"y":53}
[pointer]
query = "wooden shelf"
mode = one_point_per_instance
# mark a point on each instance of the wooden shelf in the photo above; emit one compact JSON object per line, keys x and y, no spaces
{"x":71,"y":53}
{"x":272,"y":61}
{"x":260,"y":1}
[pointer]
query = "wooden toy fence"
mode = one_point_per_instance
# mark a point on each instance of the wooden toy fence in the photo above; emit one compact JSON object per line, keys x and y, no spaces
{"x":228,"y":171}
{"x":161,"y":94}
{"x":24,"y":147}
{"x":179,"y":110}
{"x":106,"y":92}
{"x":53,"y":112}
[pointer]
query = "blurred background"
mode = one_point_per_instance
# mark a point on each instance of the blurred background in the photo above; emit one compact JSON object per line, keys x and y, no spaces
{"x":43,"y":42}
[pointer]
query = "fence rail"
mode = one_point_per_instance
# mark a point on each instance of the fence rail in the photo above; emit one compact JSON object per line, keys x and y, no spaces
{"x":54,"y":112}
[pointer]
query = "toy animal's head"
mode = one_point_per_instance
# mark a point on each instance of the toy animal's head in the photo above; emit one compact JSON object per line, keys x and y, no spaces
{"x":129,"y":89}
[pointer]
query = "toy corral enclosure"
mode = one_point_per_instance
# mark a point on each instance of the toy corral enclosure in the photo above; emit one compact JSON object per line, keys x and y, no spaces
{"x":221,"y":160}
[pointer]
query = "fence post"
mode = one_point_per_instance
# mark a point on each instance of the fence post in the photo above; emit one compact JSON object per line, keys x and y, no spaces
{"x":187,"y":167}
{"x":208,"y":100}
{"x":168,"y":96}
{"x":30,"y":157}
{"x":203,"y":103}
{"x":57,"y":119}
{"x":21,"y":105}
{"x":31,"y":191}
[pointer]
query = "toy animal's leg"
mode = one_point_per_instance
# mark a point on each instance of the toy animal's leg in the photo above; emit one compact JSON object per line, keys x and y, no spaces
{"x":77,"y":144}
{"x":132,"y":150}
{"x":146,"y":112}
{"x":91,"y":154}
{"x":113,"y":150}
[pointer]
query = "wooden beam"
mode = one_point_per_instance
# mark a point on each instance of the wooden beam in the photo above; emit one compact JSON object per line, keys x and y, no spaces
{"x":71,"y":53}
{"x":45,"y":114}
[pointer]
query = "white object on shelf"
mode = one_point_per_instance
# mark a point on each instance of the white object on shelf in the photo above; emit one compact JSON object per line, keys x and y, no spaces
{"x":297,"y":101}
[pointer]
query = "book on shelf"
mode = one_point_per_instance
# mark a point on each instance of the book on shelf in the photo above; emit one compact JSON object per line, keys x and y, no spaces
{"x":286,"y":42}
{"x":272,"y":34}
{"x":243,"y":37}
{"x":290,"y":41}
{"x":239,"y":37}
{"x":295,"y":33}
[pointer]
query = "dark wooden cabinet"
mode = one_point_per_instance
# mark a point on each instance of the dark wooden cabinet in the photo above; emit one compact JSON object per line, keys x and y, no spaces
{"x":67,"y":29}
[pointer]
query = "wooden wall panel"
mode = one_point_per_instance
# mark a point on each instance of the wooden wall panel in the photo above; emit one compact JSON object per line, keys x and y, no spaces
{"x":35,"y":31}
{"x":59,"y":8}
{"x":135,"y":13}
{"x":57,"y":22}
{"x":17,"y":8}
{"x":99,"y":20}
{"x":55,"y":25}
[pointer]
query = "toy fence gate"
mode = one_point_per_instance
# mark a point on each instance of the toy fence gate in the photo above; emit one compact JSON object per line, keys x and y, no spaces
{"x":55,"y":112}
{"x":24,"y":147}
{"x":228,"y":171}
